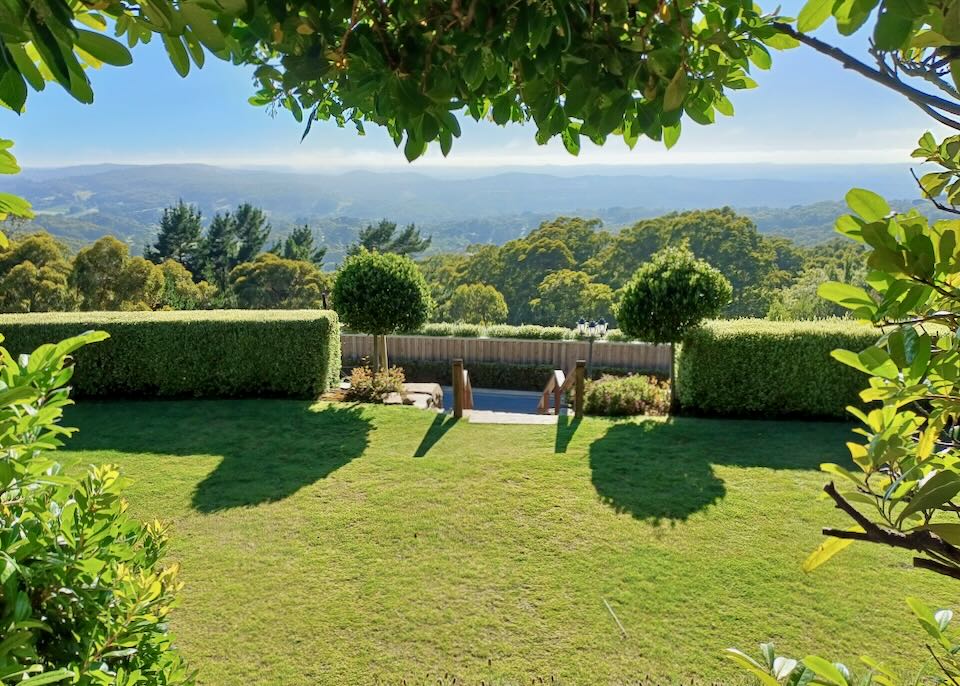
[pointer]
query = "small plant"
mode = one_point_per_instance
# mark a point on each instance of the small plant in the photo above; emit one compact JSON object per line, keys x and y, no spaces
{"x":367,"y":387}
{"x":630,"y":395}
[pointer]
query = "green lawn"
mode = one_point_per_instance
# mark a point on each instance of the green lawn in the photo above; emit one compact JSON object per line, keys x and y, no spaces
{"x":348,"y":545}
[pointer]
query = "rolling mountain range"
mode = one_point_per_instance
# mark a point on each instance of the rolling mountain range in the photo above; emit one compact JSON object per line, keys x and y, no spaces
{"x":81,"y":203}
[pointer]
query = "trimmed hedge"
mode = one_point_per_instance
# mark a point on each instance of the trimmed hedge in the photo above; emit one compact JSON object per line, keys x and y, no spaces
{"x":219,"y":353}
{"x":754,"y":367}
{"x":514,"y":377}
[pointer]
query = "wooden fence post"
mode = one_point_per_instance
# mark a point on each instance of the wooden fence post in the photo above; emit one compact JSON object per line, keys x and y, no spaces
{"x":579,"y":386}
{"x":457,"y":388}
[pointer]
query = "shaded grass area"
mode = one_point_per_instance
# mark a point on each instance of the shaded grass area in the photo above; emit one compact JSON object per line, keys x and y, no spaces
{"x":336,"y":544}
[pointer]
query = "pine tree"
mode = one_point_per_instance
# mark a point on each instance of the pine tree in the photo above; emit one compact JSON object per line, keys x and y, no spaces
{"x":220,"y":247}
{"x":381,"y":237}
{"x":300,"y":245}
{"x":252,"y":230}
{"x":179,"y":237}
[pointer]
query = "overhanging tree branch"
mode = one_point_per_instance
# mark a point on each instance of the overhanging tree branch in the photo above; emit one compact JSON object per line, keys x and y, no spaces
{"x":921,"y":540}
{"x":849,"y":62}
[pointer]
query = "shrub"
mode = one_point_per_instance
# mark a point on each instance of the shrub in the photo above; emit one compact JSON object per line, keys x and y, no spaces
{"x":85,"y":597}
{"x":531,"y":332}
{"x":199,"y":353}
{"x":624,"y":396}
{"x":757,"y":367}
{"x":381,"y":293}
{"x":367,"y":387}
{"x":618,"y":336}
{"x":671,"y":294}
{"x":462,"y":330}
{"x":436,"y":329}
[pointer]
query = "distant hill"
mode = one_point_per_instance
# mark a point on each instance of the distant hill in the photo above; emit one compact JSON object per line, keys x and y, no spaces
{"x":81,"y":203}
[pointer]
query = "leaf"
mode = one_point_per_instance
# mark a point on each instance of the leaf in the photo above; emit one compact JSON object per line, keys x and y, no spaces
{"x":937,"y":490}
{"x":13,"y":90}
{"x":949,"y":532}
{"x":826,"y":671}
{"x":676,"y":91}
{"x":751,"y":666}
{"x":825,"y":551}
{"x":891,"y":31}
{"x":851,"y":297}
{"x":103,"y":48}
{"x":203,"y":26}
{"x":47,"y":678}
{"x":867,"y":204}
{"x":177,"y":53}
{"x":813,"y":14}
{"x":928,"y":621}
{"x":671,"y":134}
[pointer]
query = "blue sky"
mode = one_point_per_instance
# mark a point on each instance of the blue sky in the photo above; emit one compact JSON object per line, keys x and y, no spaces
{"x":807,"y":109}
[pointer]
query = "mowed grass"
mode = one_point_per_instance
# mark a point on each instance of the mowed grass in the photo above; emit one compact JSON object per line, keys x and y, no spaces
{"x":334,"y":544}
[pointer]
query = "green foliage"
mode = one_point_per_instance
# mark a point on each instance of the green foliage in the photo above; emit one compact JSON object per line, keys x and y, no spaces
{"x":769,"y":369}
{"x":84,"y":596}
{"x":383,"y":237}
{"x":300,"y":245}
{"x":179,"y":237}
{"x":105,"y":277}
{"x":565,"y":296}
{"x":200,"y":353}
{"x":624,"y":396}
{"x":911,"y":432}
{"x":670,"y":295}
{"x":33,"y":275}
{"x":531,"y":332}
{"x":271,"y":282}
{"x":369,"y":387}
{"x":381,"y":293}
{"x":477,"y":303}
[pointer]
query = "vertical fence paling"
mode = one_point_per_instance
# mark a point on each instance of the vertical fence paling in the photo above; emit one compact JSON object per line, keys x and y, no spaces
{"x":644,"y":357}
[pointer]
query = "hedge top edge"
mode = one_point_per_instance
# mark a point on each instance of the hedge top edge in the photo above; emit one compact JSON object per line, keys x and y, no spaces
{"x":98,"y":318}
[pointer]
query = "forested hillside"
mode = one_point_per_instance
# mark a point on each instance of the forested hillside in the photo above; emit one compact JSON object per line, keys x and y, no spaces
{"x":81,"y":204}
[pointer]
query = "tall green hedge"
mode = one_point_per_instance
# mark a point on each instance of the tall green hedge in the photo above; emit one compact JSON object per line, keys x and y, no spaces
{"x":226,"y":353}
{"x":754,"y":367}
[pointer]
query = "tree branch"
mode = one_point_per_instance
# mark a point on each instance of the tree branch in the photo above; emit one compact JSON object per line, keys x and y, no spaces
{"x":849,"y":62}
{"x":936,"y":203}
{"x":919,"y":540}
{"x":933,"y":566}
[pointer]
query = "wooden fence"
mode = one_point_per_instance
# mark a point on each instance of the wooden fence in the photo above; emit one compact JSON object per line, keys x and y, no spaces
{"x":641,"y":357}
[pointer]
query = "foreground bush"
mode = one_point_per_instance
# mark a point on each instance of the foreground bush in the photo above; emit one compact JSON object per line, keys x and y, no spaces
{"x":233,"y":353}
{"x":367,"y":387}
{"x":624,"y":396}
{"x":757,"y":367}
{"x":84,"y":597}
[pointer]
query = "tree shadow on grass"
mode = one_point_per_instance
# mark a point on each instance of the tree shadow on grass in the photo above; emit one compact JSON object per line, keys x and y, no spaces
{"x":270,"y":449}
{"x":663,"y":470}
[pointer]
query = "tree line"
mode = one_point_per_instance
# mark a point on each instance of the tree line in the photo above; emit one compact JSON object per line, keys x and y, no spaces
{"x":565,"y":269}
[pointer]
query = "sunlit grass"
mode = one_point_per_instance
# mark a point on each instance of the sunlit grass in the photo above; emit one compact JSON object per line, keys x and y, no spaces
{"x":345,"y":545}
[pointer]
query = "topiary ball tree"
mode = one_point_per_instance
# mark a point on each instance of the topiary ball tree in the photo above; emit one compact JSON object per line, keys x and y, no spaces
{"x":670,"y":295}
{"x":381,"y":293}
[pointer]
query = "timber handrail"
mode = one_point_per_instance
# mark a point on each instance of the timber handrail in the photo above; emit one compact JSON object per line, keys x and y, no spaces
{"x":558,"y":384}
{"x":462,"y":389}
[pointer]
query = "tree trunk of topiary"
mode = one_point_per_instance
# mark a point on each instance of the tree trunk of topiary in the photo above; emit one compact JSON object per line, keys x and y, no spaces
{"x":673,"y":378}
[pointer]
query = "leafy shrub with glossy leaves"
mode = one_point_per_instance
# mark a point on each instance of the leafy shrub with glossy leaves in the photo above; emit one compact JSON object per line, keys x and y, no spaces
{"x":84,"y":595}
{"x":219,"y":353}
{"x":671,"y":294}
{"x":381,"y":293}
